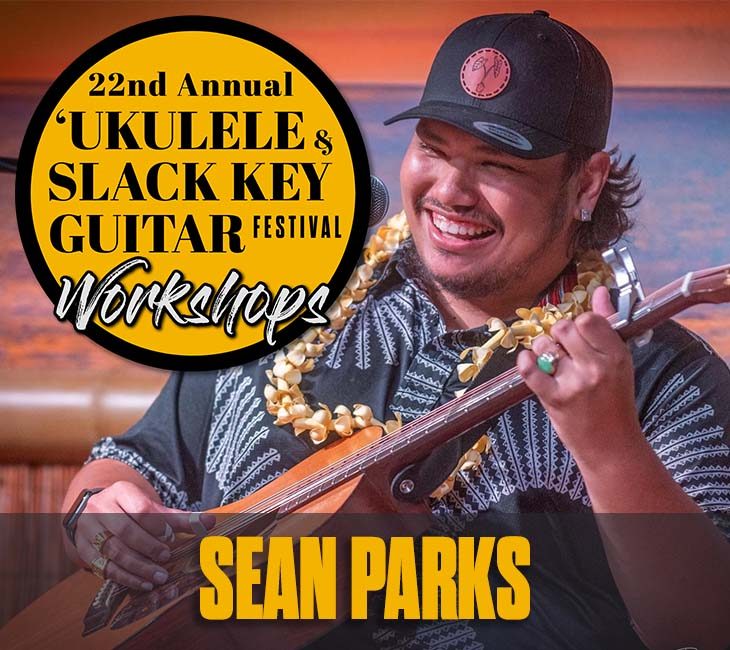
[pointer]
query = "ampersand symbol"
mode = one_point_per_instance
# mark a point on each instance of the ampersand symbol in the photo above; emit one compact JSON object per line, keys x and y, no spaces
{"x":324,"y":142}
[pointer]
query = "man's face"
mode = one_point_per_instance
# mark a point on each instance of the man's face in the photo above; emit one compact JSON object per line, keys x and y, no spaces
{"x":484,"y":222}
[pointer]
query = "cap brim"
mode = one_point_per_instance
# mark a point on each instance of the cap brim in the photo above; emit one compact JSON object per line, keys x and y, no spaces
{"x":501,"y":132}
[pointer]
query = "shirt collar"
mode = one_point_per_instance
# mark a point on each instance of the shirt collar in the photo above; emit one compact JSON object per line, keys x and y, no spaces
{"x":397,"y":269}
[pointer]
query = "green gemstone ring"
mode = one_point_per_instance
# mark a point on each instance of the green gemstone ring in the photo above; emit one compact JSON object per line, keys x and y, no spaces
{"x":548,"y":362}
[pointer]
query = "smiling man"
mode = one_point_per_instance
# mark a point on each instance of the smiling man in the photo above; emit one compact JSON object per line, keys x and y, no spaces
{"x":506,"y":191}
{"x":491,"y":230}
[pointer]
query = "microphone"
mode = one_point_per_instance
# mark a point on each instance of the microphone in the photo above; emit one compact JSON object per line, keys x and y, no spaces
{"x":10,"y":165}
{"x":379,"y":201}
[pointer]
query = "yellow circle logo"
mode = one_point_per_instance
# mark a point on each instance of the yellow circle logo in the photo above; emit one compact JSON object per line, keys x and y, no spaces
{"x":192,"y":193}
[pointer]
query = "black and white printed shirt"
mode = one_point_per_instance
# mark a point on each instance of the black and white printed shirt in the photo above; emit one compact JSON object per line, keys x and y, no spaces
{"x":207,"y":439}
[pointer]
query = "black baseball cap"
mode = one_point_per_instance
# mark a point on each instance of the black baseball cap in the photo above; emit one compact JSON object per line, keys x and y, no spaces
{"x":524,"y":83}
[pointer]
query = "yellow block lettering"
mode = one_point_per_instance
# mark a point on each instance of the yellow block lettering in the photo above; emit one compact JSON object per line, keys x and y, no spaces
{"x":437,"y":578}
{"x":513,"y":603}
{"x":247,"y":577}
{"x":318,"y":577}
{"x":280,"y":593}
{"x":368,"y":572}
{"x":216,"y":602}
{"x":474,"y":578}
{"x":401,"y":590}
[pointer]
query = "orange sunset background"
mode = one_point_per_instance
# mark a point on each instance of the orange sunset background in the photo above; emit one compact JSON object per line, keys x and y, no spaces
{"x":677,"y":44}
{"x":363,"y":47}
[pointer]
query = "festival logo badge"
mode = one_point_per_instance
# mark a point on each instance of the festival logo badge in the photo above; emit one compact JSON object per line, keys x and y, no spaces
{"x":192,"y":193}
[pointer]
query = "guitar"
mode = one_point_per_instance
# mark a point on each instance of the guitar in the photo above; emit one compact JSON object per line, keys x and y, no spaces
{"x":355,"y":475}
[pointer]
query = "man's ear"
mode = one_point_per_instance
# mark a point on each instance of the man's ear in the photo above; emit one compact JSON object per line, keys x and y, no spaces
{"x":591,"y":180}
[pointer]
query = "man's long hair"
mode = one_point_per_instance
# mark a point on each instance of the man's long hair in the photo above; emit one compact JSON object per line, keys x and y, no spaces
{"x":610,"y":219}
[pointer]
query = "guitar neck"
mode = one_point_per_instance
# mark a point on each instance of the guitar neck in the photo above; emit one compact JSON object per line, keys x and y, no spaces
{"x":417,"y":439}
{"x":486,"y":401}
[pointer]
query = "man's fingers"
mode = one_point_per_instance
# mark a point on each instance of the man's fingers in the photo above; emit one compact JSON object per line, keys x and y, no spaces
{"x":601,"y":302}
{"x":134,"y":563}
{"x":540,"y":383}
{"x":576,"y":338}
{"x":88,"y":554}
{"x":126,"y":528}
{"x":163,"y":522}
{"x":124,"y":577}
{"x":134,"y":570}
{"x":195,"y":523}
{"x":158,"y":524}
{"x":132,"y":532}
{"x":599,"y":334}
{"x":543,"y":344}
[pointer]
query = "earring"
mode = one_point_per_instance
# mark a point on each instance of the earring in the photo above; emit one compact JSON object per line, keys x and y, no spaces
{"x":585,"y":214}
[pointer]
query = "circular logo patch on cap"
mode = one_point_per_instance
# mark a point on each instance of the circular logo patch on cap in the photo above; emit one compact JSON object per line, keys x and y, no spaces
{"x":485,"y":73}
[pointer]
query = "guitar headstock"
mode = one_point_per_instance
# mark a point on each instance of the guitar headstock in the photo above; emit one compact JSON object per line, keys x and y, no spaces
{"x":708,"y":285}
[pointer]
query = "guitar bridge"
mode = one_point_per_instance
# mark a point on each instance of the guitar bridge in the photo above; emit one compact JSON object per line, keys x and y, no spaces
{"x":145,"y":603}
{"x":103,"y":607}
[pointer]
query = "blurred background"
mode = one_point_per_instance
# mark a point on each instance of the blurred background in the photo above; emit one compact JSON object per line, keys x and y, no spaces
{"x":671,"y":66}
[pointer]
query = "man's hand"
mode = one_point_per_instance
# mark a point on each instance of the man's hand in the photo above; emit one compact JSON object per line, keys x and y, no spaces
{"x":590,"y":398}
{"x":139,"y":532}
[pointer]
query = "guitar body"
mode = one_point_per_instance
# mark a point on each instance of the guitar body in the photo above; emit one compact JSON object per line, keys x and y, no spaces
{"x":55,"y":620}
